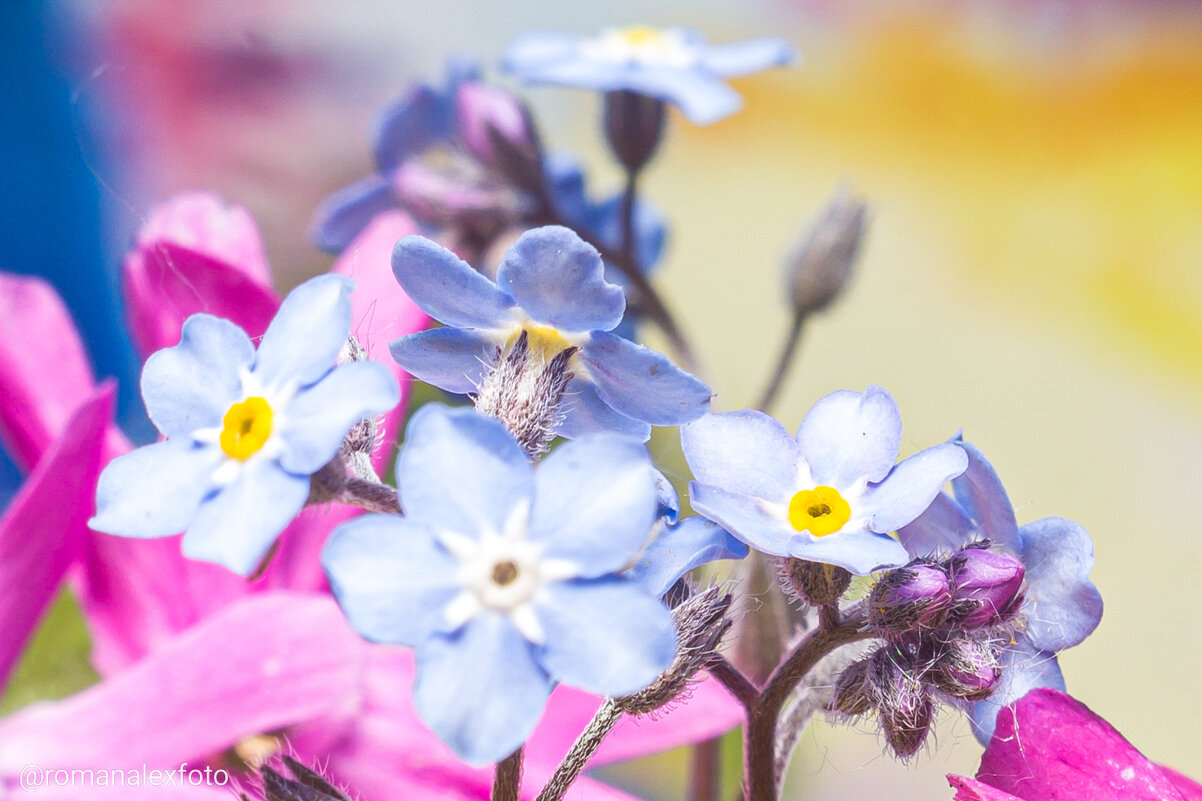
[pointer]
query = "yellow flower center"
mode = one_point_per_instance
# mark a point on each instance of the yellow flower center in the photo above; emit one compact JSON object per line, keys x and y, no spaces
{"x":641,"y":36}
{"x":245,"y":428}
{"x":820,"y":511}
{"x":543,"y":341}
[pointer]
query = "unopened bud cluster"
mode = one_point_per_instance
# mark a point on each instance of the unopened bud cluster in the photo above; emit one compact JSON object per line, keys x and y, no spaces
{"x":944,"y":624}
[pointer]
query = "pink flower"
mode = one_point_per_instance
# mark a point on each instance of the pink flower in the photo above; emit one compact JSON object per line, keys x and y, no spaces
{"x":194,"y":657}
{"x":1049,"y":746}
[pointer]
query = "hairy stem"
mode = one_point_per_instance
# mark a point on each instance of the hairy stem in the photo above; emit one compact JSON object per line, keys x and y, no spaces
{"x":783,"y":362}
{"x":581,"y":751}
{"x":507,"y":779}
{"x":370,"y":495}
{"x":706,"y":770}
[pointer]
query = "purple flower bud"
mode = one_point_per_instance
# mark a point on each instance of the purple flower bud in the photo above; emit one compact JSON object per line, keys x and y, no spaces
{"x":851,"y":696}
{"x":634,"y":124}
{"x":908,"y":599}
{"x":967,"y":668}
{"x":902,"y":701}
{"x":986,"y":587}
{"x":444,"y":188}
{"x":497,"y":129}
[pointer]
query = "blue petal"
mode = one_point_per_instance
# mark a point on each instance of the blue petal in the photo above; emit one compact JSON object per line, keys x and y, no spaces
{"x":743,"y":516}
{"x":453,"y":359}
{"x":744,"y":58}
{"x":236,"y":526}
{"x":595,"y":502}
{"x":446,"y":287}
{"x":302,"y":342}
{"x":604,"y":221}
{"x":411,"y":125}
{"x":1062,"y":605}
{"x":746,"y":452}
{"x":559,"y":280}
{"x":192,"y":385}
{"x":565,"y":179}
{"x":461,"y":471}
{"x":701,"y":96}
{"x":981,"y":494}
{"x":480,"y":689}
{"x":911,"y":486}
{"x":848,"y":436}
{"x":641,"y":383}
{"x":607,"y":636}
{"x":678,"y":549}
{"x":667,"y":502}
{"x":391,"y":578}
{"x":343,"y":215}
{"x":585,"y":413}
{"x":941,"y":529}
{"x":155,"y":491}
{"x":537,"y":48}
{"x":1024,"y":668}
{"x":319,"y":418}
{"x":860,"y":552}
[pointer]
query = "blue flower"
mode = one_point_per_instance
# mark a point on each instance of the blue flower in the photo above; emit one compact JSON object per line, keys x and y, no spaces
{"x":831,"y":495}
{"x":674,"y":65}
{"x":1061,"y":606}
{"x":245,"y":429}
{"x":550,"y":285}
{"x":506,"y":578}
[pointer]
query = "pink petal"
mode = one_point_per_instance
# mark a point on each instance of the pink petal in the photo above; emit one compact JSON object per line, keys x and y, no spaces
{"x":380,"y":309}
{"x":163,"y":283}
{"x":973,"y":790}
{"x":259,"y":665}
{"x":84,"y":791}
{"x":1190,"y":790}
{"x":44,"y":372}
{"x":1050,"y":746}
{"x":42,"y":529}
{"x":201,"y":222}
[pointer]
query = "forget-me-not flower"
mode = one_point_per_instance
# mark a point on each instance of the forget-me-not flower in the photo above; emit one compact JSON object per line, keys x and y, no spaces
{"x":550,"y":285}
{"x":1061,"y":605}
{"x":831,"y":495}
{"x":244,"y":428}
{"x":675,"y":65}
{"x":505,"y":578}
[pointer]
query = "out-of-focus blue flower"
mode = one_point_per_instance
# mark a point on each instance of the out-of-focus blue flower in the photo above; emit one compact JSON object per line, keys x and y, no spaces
{"x":674,"y":65}
{"x":1061,"y":607}
{"x":550,"y":285}
{"x":831,"y":495}
{"x":505,"y":578}
{"x":245,"y":429}
{"x":677,"y":546}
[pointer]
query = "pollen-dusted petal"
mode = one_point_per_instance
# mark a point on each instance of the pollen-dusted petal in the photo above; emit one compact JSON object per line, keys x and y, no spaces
{"x":391,"y":577}
{"x":1062,"y":606}
{"x":237,"y":525}
{"x":319,"y":418}
{"x":193,"y":384}
{"x":453,"y":359}
{"x":559,"y":280}
{"x":461,"y":471}
{"x":346,"y":213}
{"x":745,"y":517}
{"x":303,"y":341}
{"x":595,"y":502}
{"x":984,"y":499}
{"x":586,"y":618}
{"x":480,"y":689}
{"x":642,"y":383}
{"x":156,"y":490}
{"x":746,"y":452}
{"x":910,"y":487}
{"x":585,"y":413}
{"x":446,"y":287}
{"x":847,"y":437}
{"x":742,"y":58}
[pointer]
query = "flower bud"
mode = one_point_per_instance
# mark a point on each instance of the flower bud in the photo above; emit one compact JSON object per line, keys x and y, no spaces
{"x":986,"y":587}
{"x":496,"y":128}
{"x":634,"y":124}
{"x":851,"y":696}
{"x":967,"y":668}
{"x":820,"y":265}
{"x":815,"y":583}
{"x":902,"y":700}
{"x":444,"y":188}
{"x":908,"y":599}
{"x":274,"y":784}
